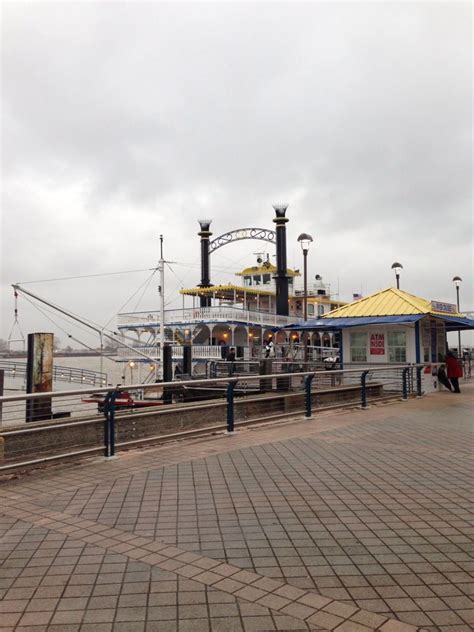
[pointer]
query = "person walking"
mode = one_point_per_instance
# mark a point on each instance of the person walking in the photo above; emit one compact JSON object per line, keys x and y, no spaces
{"x":454,"y":370}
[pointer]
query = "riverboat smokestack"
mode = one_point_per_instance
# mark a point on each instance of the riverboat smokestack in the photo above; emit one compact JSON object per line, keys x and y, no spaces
{"x":281,"y":274}
{"x":204,"y":234}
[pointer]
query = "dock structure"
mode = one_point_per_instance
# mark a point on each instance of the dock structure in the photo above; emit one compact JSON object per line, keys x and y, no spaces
{"x":353,"y":522}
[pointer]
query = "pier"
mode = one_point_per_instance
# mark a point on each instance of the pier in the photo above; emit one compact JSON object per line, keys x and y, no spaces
{"x":352,"y":521}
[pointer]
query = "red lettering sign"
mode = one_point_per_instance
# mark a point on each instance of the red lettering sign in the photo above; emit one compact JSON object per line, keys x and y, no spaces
{"x":377,"y":344}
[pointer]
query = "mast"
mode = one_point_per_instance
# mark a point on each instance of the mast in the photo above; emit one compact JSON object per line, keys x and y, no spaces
{"x":161,"y":267}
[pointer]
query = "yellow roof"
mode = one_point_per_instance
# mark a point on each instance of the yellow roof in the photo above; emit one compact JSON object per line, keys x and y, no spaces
{"x":266,"y":268}
{"x":196,"y":291}
{"x":389,"y":302}
{"x":316,"y":300}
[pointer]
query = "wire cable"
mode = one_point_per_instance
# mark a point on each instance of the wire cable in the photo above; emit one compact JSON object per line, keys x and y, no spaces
{"x":85,"y":276}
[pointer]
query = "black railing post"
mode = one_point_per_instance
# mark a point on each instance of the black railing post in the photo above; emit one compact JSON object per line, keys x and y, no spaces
{"x":363,"y":388}
{"x":307,"y":387}
{"x":419,"y":391}
{"x":405,"y":383}
{"x":230,"y":404}
{"x":109,"y":423}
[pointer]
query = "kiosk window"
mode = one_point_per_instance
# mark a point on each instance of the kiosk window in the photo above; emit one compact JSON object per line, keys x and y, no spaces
{"x":266,"y":279}
{"x":257,"y":279}
{"x":310,"y":309}
{"x":396,"y":343}
{"x":247,"y":280}
{"x":358,"y":347}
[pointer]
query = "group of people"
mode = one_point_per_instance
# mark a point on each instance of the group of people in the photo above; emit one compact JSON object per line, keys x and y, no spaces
{"x":449,"y":376}
{"x":269,"y":348}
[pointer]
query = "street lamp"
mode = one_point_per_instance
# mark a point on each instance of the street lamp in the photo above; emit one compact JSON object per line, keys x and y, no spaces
{"x":457,"y":282}
{"x":305,"y":241}
{"x":397,"y":267}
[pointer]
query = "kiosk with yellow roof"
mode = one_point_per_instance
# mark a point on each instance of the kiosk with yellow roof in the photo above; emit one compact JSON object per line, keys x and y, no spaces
{"x":391,"y":326}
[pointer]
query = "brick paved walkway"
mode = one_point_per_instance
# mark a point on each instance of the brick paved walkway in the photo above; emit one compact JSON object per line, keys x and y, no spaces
{"x":354,"y":521}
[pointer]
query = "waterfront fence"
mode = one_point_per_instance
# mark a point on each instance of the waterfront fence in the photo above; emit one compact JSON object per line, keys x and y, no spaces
{"x":77,"y":423}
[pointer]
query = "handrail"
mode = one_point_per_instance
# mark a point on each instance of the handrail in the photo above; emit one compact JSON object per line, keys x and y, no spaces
{"x":159,"y":385}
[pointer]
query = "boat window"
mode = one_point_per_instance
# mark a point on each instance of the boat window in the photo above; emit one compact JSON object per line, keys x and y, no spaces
{"x":310,"y":309}
{"x":290,"y":281}
{"x":266,"y":279}
{"x":257,"y":279}
{"x":247,"y":280}
{"x":320,"y":310}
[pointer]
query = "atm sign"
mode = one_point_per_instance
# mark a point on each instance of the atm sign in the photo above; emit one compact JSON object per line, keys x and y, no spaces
{"x":377,"y":344}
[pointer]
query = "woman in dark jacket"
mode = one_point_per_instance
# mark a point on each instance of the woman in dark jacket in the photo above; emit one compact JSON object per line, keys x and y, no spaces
{"x":454,"y":370}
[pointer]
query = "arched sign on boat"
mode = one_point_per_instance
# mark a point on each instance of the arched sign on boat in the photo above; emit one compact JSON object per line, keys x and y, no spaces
{"x":278,"y":238}
{"x":262,"y":234}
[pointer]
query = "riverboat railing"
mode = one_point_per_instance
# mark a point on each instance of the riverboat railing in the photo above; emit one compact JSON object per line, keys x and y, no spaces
{"x":79,"y":423}
{"x":218,"y":313}
{"x":287,"y":351}
{"x":199,"y":352}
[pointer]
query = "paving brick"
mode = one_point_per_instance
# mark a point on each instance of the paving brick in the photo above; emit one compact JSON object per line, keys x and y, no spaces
{"x":317,"y":506}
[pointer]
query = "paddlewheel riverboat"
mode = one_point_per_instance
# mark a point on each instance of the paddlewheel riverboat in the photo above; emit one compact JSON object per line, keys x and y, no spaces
{"x":242,"y":316}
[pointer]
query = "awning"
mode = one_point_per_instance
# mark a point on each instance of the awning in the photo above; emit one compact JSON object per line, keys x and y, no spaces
{"x":456,"y":323}
{"x":331,"y":324}
{"x":453,"y":323}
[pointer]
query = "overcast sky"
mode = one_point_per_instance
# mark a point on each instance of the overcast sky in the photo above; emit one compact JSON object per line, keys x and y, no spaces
{"x":121,"y":121}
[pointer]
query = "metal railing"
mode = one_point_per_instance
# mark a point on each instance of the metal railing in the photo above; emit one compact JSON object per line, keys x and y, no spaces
{"x":199,"y":352}
{"x":286,"y":351}
{"x":222,"y":368}
{"x":17,"y":369}
{"x":65,"y":425}
{"x":218,"y":313}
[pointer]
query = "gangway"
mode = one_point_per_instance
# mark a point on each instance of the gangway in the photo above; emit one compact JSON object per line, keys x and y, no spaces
{"x":15,"y":369}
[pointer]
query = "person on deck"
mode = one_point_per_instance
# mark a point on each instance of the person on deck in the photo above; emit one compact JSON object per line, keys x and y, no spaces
{"x":270,"y":349}
{"x":454,"y":370}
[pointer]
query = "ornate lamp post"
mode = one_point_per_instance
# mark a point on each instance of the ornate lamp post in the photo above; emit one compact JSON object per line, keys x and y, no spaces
{"x":305,"y":241}
{"x":457,"y":282}
{"x":397,"y":267}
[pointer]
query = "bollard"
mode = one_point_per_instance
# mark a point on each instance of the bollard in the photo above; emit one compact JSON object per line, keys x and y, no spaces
{"x":167,"y":396}
{"x":307,"y":387}
{"x":265,"y":368}
{"x":2,"y":382}
{"x":419,"y":392}
{"x":363,"y":388}
{"x":405,"y":383}
{"x":109,"y":423}
{"x":230,"y":404}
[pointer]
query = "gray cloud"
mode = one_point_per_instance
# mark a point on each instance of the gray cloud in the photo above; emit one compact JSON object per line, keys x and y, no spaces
{"x":123,"y":121}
